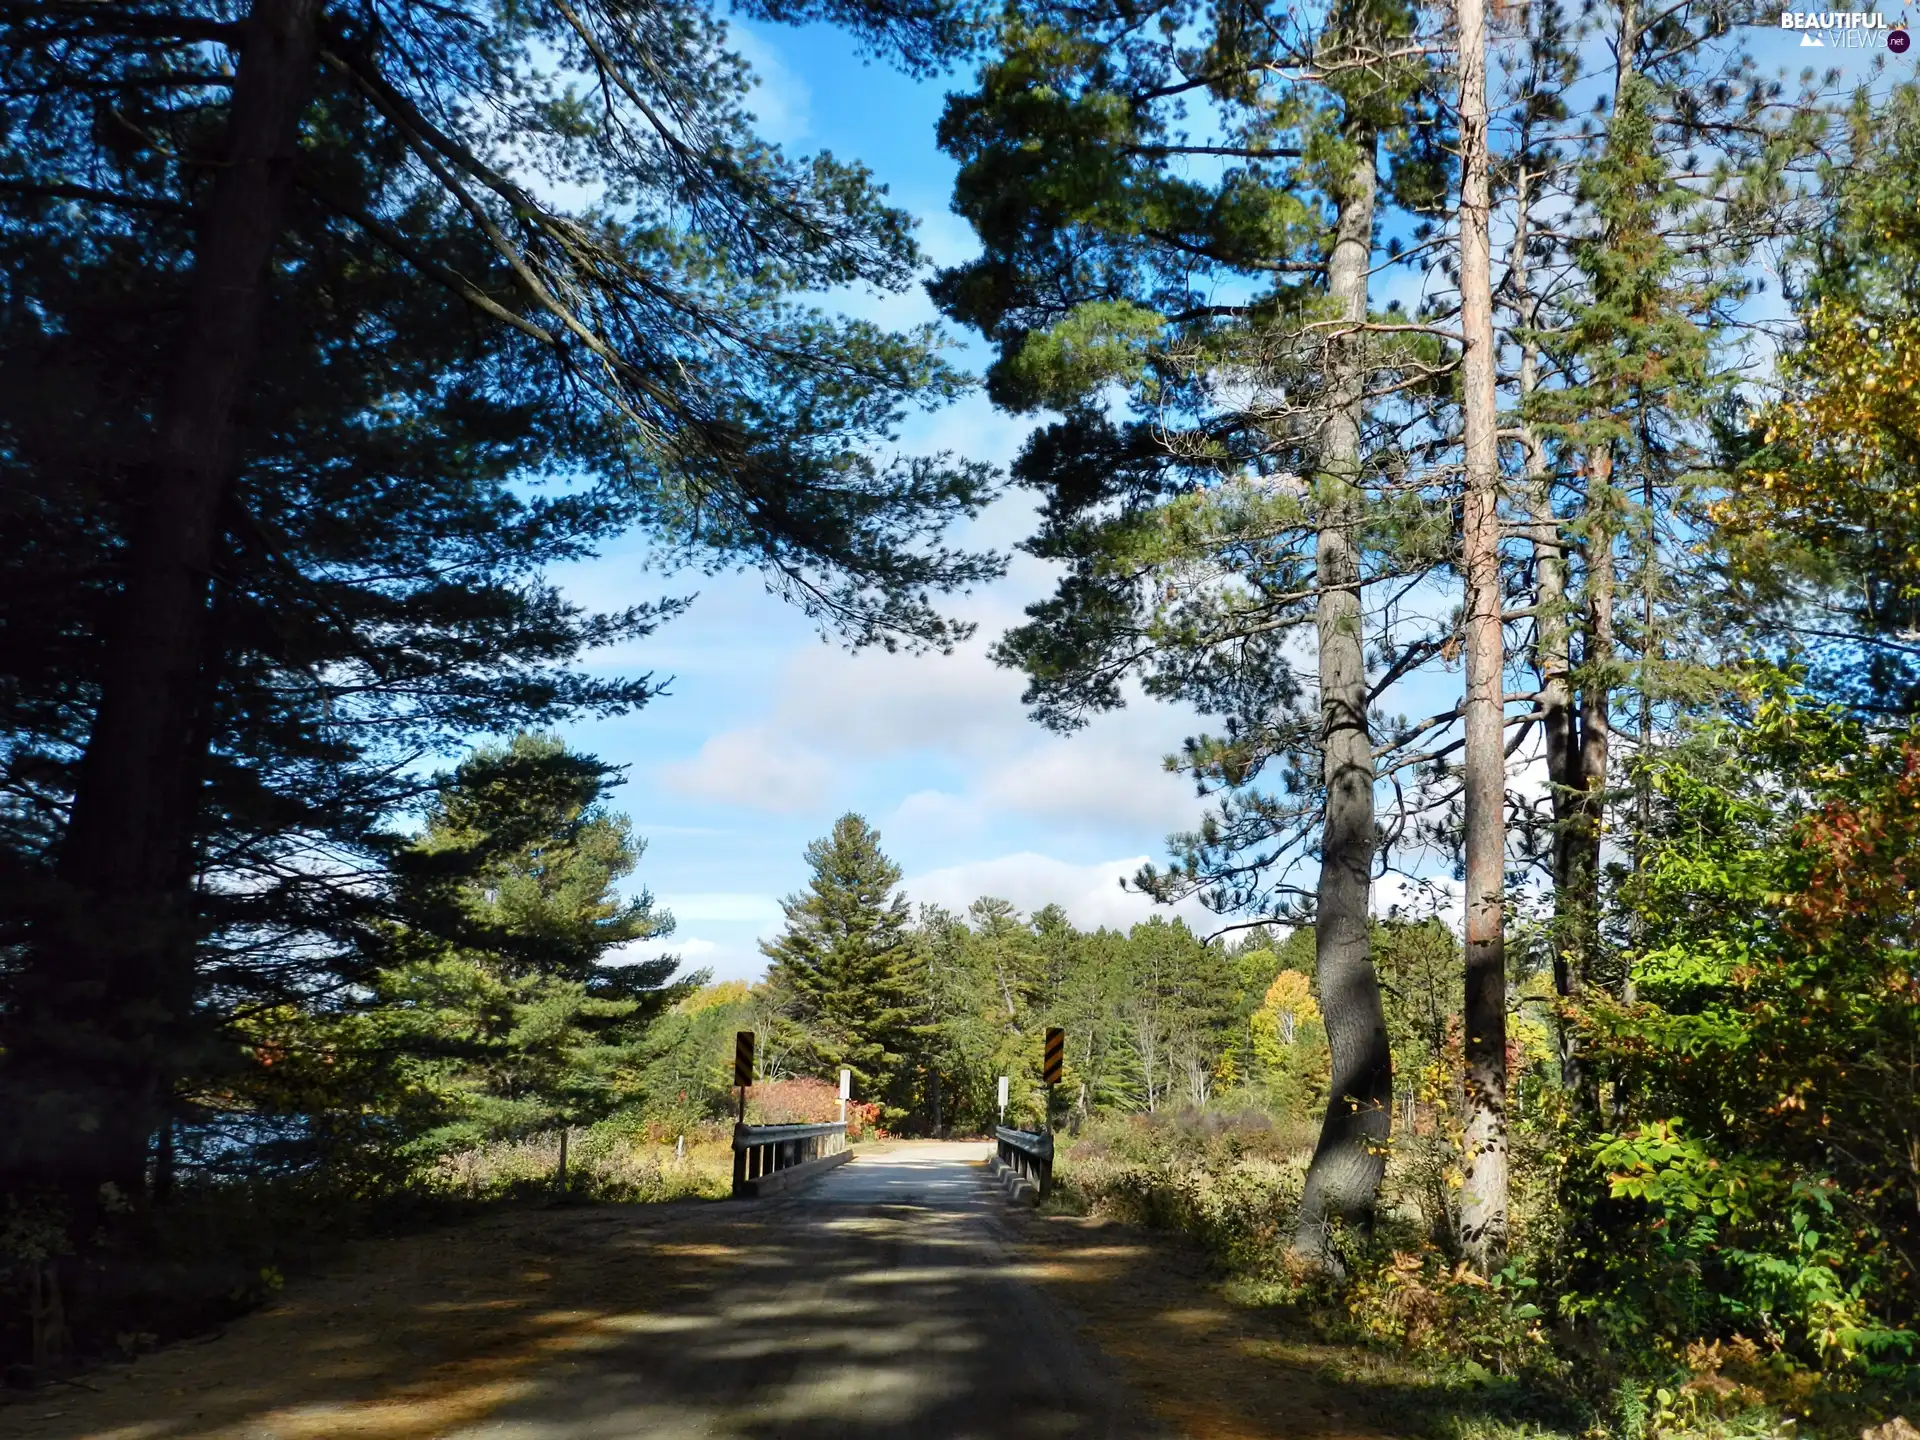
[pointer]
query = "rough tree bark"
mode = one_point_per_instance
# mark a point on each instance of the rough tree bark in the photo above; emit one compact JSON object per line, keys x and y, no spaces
{"x":105,"y":1003}
{"x":1343,"y":1179}
{"x":1483,"y":1202}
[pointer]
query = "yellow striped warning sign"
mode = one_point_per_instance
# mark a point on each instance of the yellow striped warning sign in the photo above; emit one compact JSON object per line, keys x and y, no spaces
{"x":743,"y":1057}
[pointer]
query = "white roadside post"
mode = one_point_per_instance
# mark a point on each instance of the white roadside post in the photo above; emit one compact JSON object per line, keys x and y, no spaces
{"x":846,"y":1093}
{"x":1003,"y":1099}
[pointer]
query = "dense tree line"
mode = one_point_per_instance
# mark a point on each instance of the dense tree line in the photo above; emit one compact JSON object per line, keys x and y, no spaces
{"x":930,"y":1008}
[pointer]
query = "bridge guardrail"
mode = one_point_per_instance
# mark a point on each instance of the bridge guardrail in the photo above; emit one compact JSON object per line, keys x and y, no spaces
{"x":761,"y":1152}
{"x":1029,"y":1154}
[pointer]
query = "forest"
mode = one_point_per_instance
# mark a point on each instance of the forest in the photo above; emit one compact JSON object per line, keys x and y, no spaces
{"x":1499,"y":425}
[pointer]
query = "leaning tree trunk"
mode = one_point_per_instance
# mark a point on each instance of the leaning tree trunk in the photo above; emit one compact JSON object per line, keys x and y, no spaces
{"x":1343,"y":1180}
{"x":1483,"y":1203}
{"x":104,"y":1008}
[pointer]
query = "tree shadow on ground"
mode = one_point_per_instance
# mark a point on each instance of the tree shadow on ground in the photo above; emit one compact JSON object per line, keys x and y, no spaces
{"x":885,"y":1301}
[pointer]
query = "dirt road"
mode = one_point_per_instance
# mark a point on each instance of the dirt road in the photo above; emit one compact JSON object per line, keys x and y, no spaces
{"x":898,"y":1296}
{"x":884,"y":1299}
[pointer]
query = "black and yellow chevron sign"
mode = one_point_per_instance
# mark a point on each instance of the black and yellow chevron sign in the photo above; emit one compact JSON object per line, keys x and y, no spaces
{"x":1056,"y":1055}
{"x":743,"y":1057}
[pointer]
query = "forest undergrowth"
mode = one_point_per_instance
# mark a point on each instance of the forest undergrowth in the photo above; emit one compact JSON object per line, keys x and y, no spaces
{"x":1492,"y":1359}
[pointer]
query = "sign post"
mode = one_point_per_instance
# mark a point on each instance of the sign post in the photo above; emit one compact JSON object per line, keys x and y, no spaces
{"x":743,"y":1067}
{"x":743,"y":1077}
{"x":846,"y":1092}
{"x":1052,"y":1065}
{"x":1003,"y":1099}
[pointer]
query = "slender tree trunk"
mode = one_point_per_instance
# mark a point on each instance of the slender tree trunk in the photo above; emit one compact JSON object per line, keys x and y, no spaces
{"x":1552,"y":648}
{"x":1596,"y":694}
{"x":1578,"y":831}
{"x":1650,"y":649}
{"x":105,"y":1009}
{"x":1626,"y":40}
{"x":1587,"y":827}
{"x":1343,"y":1180}
{"x":1483,"y":1203}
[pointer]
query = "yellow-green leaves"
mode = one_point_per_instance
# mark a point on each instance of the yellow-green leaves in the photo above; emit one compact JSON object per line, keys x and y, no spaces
{"x":1100,"y":343}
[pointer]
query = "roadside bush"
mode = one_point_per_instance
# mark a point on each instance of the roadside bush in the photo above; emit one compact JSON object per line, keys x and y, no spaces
{"x":1230,"y":1180}
{"x":1422,"y":1306}
{"x":810,"y":1102}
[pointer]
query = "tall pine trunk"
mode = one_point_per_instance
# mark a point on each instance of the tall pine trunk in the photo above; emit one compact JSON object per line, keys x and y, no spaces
{"x":1587,"y":830}
{"x":105,"y":1006}
{"x":1552,"y":651}
{"x":1483,"y":1203}
{"x":1343,"y":1179}
{"x":1579,"y":816}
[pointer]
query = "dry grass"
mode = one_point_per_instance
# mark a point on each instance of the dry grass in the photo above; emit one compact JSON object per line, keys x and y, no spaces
{"x":624,"y":1168}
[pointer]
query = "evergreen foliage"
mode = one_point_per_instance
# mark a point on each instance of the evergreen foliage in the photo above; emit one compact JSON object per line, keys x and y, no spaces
{"x":1763,"y":1172}
{"x":493,"y":1005}
{"x":503,"y":987}
{"x":258,"y":571}
{"x":841,"y":966}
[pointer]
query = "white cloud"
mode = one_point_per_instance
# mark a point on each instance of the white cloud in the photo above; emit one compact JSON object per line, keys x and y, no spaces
{"x":639,"y":951}
{"x":723,"y":959}
{"x":1090,"y":894}
{"x":836,"y":713}
{"x":947,"y":238}
{"x":755,"y":768}
{"x":872,"y":703}
{"x":933,"y":812}
{"x":1096,"y":781}
{"x":781,"y":101}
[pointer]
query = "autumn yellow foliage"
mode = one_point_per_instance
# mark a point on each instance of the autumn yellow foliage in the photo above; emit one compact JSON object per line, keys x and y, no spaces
{"x":1839,"y":474}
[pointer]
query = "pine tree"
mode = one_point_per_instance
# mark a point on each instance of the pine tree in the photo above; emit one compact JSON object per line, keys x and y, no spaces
{"x":501,"y":997}
{"x":843,"y":965}
{"x":1669,"y":190}
{"x":495,"y":1007}
{"x":1483,"y":1205}
{"x":1212,"y":264}
{"x":648,"y":340}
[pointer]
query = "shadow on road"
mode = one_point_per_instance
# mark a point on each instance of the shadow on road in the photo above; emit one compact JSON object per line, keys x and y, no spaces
{"x":881,"y":1300}
{"x":895,"y":1297}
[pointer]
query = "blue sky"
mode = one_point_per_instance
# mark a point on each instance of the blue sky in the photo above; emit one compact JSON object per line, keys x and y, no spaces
{"x":767,"y":733}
